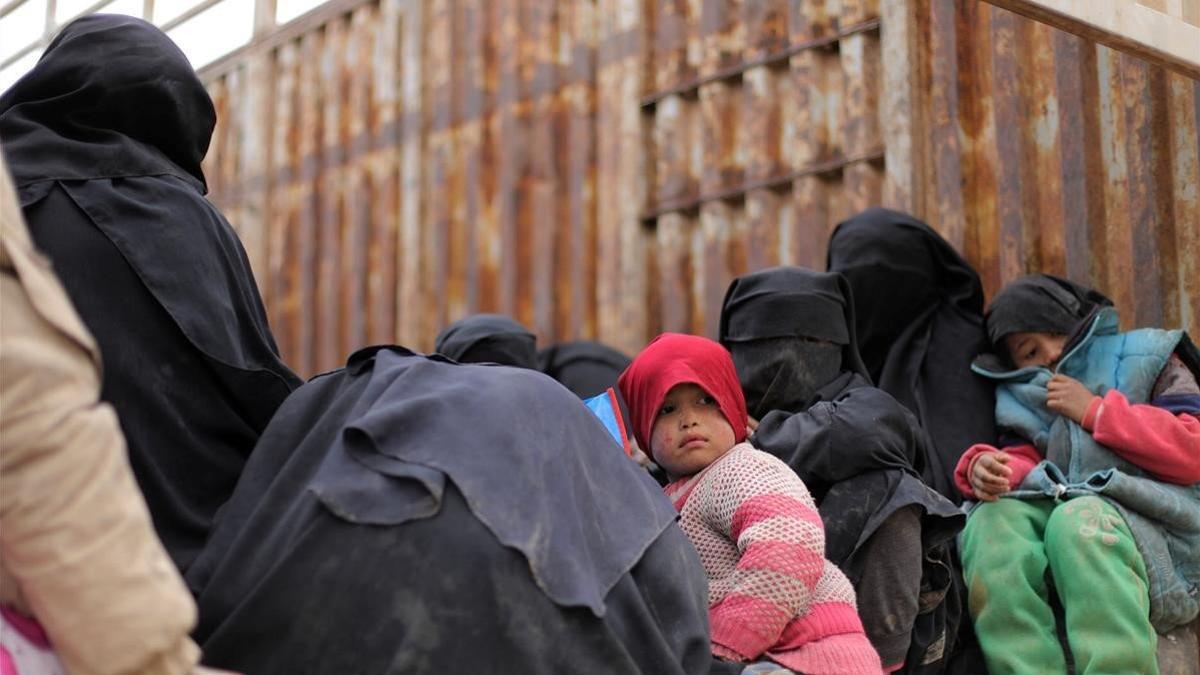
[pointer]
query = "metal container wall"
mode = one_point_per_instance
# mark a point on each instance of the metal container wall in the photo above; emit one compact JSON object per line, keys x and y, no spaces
{"x":1041,"y":151}
{"x":603,"y":168}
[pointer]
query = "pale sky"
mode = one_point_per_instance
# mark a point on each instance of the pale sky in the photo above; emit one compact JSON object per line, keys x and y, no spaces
{"x":216,"y":31}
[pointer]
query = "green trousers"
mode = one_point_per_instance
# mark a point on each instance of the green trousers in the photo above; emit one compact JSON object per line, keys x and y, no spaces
{"x":1100,"y":578}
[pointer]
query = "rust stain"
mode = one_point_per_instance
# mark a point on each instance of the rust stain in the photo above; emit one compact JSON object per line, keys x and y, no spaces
{"x":602,"y":169}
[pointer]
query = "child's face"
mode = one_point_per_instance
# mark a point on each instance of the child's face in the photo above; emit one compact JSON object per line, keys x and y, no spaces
{"x":690,"y":432}
{"x":1035,"y":349}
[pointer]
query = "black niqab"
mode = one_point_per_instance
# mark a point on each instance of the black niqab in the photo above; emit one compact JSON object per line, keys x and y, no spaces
{"x":919,"y":322}
{"x":410,"y":514}
{"x":104,"y":138}
{"x":792,"y":302}
{"x":488,"y":338}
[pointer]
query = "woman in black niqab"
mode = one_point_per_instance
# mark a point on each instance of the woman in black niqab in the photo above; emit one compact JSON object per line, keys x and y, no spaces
{"x":791,"y":333}
{"x":488,"y":338}
{"x":411,"y":514}
{"x":104,"y":138}
{"x":919,"y":318}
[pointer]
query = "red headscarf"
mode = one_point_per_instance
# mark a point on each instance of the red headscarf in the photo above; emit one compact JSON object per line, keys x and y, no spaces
{"x":671,"y":359}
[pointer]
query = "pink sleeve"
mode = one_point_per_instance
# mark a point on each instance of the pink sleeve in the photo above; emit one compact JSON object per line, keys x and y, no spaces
{"x":781,"y":541}
{"x":1165,"y":444}
{"x":1022,"y":460}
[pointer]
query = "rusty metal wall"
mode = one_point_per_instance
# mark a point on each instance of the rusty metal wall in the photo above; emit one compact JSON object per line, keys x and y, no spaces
{"x":603,"y":168}
{"x":393,"y":165}
{"x":763,"y":131}
{"x":1042,"y":151}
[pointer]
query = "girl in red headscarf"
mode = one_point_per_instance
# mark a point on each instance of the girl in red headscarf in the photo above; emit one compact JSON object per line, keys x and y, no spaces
{"x":772,"y":593}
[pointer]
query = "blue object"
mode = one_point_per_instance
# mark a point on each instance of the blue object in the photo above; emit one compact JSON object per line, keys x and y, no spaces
{"x":604,"y":407}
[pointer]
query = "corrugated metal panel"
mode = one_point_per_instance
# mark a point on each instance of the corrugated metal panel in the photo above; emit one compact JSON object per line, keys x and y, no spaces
{"x":1050,"y":153}
{"x":393,"y":165}
{"x":602,"y":168}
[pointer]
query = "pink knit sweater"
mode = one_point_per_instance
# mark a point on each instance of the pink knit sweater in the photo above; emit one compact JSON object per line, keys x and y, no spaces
{"x":771,"y":591}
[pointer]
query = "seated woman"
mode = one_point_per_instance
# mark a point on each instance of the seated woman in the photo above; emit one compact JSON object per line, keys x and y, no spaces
{"x":791,"y":334}
{"x":410,"y":514}
{"x":105,"y":137}
{"x":488,"y":338}
{"x":918,"y":313}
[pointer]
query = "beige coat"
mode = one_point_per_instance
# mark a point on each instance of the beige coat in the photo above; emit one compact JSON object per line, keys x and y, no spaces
{"x":77,"y":548}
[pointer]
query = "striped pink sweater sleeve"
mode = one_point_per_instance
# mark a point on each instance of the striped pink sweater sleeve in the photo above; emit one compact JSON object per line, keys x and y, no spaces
{"x":764,"y":508}
{"x":762,"y":543}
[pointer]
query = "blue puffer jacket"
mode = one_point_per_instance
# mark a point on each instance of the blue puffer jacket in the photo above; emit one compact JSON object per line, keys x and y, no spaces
{"x":1164,"y":518}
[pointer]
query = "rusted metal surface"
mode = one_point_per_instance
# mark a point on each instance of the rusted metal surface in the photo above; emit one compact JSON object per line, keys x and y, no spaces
{"x":1072,"y":158}
{"x":602,"y":168}
{"x":1163,"y":31}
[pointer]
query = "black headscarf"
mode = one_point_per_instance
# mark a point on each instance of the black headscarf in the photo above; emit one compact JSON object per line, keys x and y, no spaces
{"x":1041,"y":303}
{"x":919,"y":316}
{"x":410,"y":514}
{"x":105,"y":137}
{"x":488,"y":338}
{"x":790,"y":331}
{"x":586,"y":368}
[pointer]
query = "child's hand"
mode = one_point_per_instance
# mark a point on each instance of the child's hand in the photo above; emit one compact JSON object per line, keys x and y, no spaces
{"x":989,"y":476}
{"x":751,"y":425}
{"x":1068,"y":397}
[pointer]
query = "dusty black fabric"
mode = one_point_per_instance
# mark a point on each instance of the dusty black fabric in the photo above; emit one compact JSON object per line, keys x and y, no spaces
{"x":105,"y":137}
{"x":410,"y":514}
{"x":111,"y":97}
{"x":777,"y":371}
{"x":791,"y":302}
{"x":586,"y":368}
{"x":858,"y":450}
{"x":919,"y":318}
{"x":488,"y":338}
{"x":1041,"y":303}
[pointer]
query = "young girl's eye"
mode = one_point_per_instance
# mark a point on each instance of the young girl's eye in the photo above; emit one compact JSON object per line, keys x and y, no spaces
{"x":667,"y":409}
{"x":705,"y":400}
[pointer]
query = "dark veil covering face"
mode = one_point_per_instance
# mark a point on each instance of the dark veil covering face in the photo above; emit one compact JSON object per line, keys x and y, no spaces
{"x":104,"y":138}
{"x":919,"y":312}
{"x":488,"y":338}
{"x":791,"y":332}
{"x":411,"y":514}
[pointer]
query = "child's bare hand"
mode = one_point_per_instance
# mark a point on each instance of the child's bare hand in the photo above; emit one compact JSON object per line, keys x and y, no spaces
{"x":751,"y":425}
{"x":989,"y":476}
{"x":1068,"y":397}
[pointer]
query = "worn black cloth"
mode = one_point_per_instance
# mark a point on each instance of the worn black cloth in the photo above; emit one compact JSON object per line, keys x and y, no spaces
{"x":586,"y":368}
{"x":105,"y":137}
{"x":792,"y":302}
{"x":488,"y":338}
{"x":919,"y":318}
{"x":411,"y":514}
{"x":776,"y":371}
{"x":1041,"y":303}
{"x":858,"y":450}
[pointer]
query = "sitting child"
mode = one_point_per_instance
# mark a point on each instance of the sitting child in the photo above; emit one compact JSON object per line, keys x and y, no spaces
{"x":772,"y":593}
{"x":1101,"y":493}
